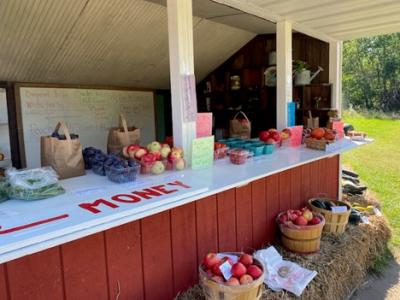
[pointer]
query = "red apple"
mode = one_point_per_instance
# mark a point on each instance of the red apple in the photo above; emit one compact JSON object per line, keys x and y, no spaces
{"x":283,"y":218}
{"x":233,"y":281}
{"x":246,"y":279}
{"x":272,"y":130}
{"x":307,"y":214}
{"x":210,"y":260}
{"x":140,"y":153}
{"x":254,"y":271}
{"x":298,"y":212}
{"x":246,"y":259}
{"x":287,"y":131}
{"x":314,"y":221}
{"x":218,"y":279}
{"x":270,"y":141}
{"x":157,"y":154}
{"x":238,"y":270}
{"x":149,"y":157}
{"x":276,"y":136}
{"x":292,"y":215}
{"x":300,"y":221}
{"x":263,"y":135}
{"x":318,"y":133}
{"x":216,"y":270}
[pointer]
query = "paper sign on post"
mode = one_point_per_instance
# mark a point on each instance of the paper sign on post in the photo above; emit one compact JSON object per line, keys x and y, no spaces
{"x":202,"y":152}
{"x":339,"y":127}
{"x":297,"y":135}
{"x":204,"y":124}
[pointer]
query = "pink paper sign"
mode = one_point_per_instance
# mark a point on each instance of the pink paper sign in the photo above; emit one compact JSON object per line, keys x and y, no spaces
{"x":339,"y":127}
{"x":204,"y":124}
{"x":297,"y":135}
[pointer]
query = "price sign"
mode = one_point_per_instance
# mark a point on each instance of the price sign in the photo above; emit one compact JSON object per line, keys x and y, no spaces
{"x":202,"y":152}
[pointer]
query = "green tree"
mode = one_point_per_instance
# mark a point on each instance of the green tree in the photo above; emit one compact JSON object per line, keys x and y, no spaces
{"x":371,"y":73}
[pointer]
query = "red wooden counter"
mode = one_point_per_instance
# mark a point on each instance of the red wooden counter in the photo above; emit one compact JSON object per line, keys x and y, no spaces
{"x":157,"y":256}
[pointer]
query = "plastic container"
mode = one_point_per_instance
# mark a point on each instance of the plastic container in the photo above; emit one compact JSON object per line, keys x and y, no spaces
{"x":257,"y":149}
{"x":145,"y":167}
{"x":220,"y":153}
{"x":98,"y":168}
{"x":239,"y":156}
{"x":4,"y":189}
{"x":119,"y":174}
{"x":269,"y":148}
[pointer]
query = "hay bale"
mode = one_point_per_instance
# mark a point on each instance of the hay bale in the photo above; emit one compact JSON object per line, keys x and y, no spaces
{"x":342,"y":263}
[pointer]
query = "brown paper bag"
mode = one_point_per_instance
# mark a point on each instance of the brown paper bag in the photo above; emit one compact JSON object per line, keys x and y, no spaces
{"x":240,"y":128}
{"x":65,"y":156}
{"x":121,"y":136}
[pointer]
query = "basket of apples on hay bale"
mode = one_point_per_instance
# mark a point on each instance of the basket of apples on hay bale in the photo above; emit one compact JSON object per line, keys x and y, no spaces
{"x":301,"y":230}
{"x":320,"y":138}
{"x":230,"y":276}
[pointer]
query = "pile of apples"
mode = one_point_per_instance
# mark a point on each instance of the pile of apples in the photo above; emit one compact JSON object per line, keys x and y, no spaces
{"x":323,"y":133}
{"x":303,"y":217}
{"x":243,"y":271}
{"x":156,"y":157}
{"x":273,"y":136}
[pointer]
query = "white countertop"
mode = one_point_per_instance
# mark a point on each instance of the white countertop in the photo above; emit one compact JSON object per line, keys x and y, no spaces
{"x":29,"y":227}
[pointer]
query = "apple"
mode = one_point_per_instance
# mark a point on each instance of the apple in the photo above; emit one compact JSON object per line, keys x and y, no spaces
{"x":216,"y":270}
{"x":318,"y":133}
{"x":246,"y":259}
{"x":178,"y":149}
{"x":330,"y":136}
{"x":238,"y":270}
{"x":263,"y":135}
{"x":270,"y":141}
{"x":125,"y":152}
{"x":254,"y":271}
{"x":165,"y":145}
{"x":149,"y":157}
{"x":314,"y":221}
{"x":283,"y":218}
{"x":218,"y":278}
{"x":157,"y":154}
{"x":300,"y":221}
{"x":154,"y":146}
{"x":273,"y":130}
{"x":233,"y":281}
{"x":307,"y":214}
{"x":287,"y":131}
{"x":179,"y":164}
{"x":246,"y":279}
{"x":140,"y":153}
{"x":276,"y":136}
{"x":157,"y":168}
{"x":165,"y":151}
{"x":211,"y":259}
{"x":174,"y":155}
{"x":298,"y":212}
{"x":292,"y":215}
{"x":284,"y":136}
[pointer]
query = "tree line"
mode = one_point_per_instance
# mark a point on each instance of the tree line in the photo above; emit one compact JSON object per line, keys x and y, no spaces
{"x":371,"y":73}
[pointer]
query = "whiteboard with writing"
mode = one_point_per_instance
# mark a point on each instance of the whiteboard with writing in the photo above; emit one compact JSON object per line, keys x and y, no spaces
{"x":87,"y":112}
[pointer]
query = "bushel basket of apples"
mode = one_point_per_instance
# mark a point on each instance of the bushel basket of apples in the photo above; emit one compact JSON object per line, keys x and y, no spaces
{"x":301,"y":230}
{"x":231,"y":276}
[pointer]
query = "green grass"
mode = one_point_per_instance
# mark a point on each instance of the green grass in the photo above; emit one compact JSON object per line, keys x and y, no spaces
{"x":378,"y":164}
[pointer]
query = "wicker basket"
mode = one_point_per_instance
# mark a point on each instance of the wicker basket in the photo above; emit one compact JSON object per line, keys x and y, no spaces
{"x":217,"y":291}
{"x":316,"y":144}
{"x":302,"y":239}
{"x":334,"y":222}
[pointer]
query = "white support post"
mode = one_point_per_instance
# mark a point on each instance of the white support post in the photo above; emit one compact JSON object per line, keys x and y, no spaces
{"x":284,"y":88}
{"x":335,"y":78}
{"x":335,"y":74}
{"x":183,"y":93}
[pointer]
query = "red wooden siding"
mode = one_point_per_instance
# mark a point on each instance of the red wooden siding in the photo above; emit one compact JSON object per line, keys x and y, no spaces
{"x":156,"y":257}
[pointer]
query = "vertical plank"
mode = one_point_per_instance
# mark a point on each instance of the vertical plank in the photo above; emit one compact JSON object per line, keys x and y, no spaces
{"x":315,"y":179}
{"x":259,"y":206}
{"x":284,"y":190}
{"x":333,"y":175}
{"x":206,"y":226}
{"x":124,"y":261}
{"x":85,"y":270}
{"x":184,"y":249}
{"x":296,"y":201}
{"x":36,"y":276}
{"x":157,"y":256}
{"x":305,"y":192}
{"x":244,"y":219}
{"x":272,"y":187}
{"x":226,"y":221}
{"x":3,"y":283}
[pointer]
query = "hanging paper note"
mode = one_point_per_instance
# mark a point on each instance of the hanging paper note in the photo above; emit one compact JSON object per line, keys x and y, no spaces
{"x":297,"y":135}
{"x":202,"y":152}
{"x":204,"y":124}
{"x":339,"y":127}
{"x":189,"y":98}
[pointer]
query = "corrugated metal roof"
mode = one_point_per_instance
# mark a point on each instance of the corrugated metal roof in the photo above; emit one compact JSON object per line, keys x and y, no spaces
{"x":102,"y":42}
{"x":339,"y":19}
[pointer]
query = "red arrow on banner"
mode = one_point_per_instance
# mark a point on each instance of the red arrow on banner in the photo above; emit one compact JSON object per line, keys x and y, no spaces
{"x":37,"y":223}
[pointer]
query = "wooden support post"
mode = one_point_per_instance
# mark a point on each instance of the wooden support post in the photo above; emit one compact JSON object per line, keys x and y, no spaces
{"x":335,"y":78}
{"x":335,"y":73}
{"x":284,"y":86}
{"x":183,"y":84}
